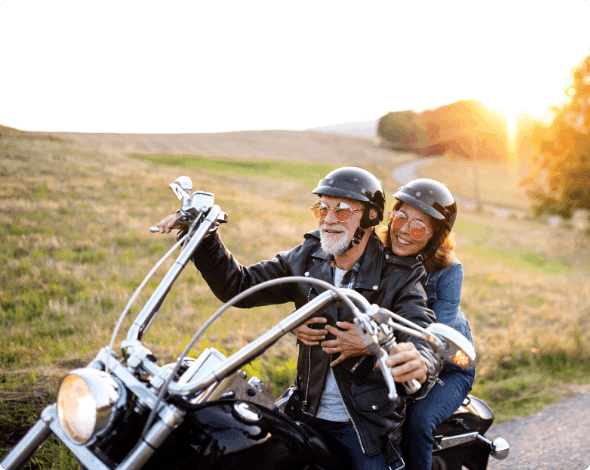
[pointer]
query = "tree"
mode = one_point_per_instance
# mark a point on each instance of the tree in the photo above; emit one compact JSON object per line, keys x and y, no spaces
{"x":400,"y":130}
{"x":560,"y":181}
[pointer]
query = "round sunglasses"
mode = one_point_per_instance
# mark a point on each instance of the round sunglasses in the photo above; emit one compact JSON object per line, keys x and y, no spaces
{"x":342,"y":211}
{"x":418,"y":229}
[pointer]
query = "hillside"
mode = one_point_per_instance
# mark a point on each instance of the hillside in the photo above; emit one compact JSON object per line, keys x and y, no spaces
{"x":309,"y":145}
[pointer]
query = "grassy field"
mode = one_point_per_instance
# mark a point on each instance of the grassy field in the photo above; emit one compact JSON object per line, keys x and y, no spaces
{"x":75,"y":222}
{"x":498,"y":182}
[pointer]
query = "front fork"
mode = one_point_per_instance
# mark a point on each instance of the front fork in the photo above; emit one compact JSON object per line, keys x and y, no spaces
{"x":30,"y":443}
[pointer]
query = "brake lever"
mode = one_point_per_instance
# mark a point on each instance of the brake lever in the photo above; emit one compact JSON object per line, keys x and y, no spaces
{"x":369,"y":337}
{"x":368,"y":332}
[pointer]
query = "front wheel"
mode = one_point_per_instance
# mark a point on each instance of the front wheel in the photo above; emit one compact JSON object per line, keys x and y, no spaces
{"x":438,"y":463}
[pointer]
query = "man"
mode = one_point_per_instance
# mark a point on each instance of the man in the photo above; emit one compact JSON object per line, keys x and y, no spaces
{"x":348,"y":400}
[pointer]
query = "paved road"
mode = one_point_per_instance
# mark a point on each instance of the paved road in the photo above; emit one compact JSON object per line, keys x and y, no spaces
{"x":408,"y":172}
{"x":557,"y":438}
{"x":405,"y":173}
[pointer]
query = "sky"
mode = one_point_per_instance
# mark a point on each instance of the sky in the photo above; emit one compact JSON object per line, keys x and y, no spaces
{"x":215,"y":66}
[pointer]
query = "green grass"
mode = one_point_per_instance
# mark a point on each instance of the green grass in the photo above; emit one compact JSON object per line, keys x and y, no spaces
{"x":307,"y":173}
{"x":18,"y":416}
{"x":523,"y":385}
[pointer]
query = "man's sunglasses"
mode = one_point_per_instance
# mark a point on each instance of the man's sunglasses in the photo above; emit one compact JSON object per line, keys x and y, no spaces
{"x":342,"y":211}
{"x":397,"y":219}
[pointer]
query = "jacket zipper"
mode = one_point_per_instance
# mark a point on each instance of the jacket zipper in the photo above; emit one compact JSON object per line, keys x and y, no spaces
{"x":305,"y":400}
{"x":358,"y":434}
{"x":358,"y":363}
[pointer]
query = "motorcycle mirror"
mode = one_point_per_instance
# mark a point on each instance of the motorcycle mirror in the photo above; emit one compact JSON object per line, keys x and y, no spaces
{"x":457,"y":348}
{"x":500,"y":448}
{"x":182,"y":187}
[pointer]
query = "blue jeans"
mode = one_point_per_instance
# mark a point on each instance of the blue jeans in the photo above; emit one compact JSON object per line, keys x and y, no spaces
{"x":424,"y":415}
{"x":346,"y":434}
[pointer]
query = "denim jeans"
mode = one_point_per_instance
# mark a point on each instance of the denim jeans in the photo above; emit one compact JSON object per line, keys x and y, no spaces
{"x":424,"y":415}
{"x":346,"y":434}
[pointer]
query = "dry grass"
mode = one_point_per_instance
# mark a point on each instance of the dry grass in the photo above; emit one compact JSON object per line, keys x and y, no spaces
{"x":498,"y":182}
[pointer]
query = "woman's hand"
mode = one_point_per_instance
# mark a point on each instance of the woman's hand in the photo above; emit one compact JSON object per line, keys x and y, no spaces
{"x":406,"y":363}
{"x":310,"y":336}
{"x":348,"y":342}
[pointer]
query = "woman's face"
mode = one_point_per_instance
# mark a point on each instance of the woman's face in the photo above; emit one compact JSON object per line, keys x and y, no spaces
{"x":402,"y":242}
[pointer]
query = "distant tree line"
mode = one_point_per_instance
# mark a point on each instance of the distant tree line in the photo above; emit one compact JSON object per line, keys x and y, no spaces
{"x":464,"y":129}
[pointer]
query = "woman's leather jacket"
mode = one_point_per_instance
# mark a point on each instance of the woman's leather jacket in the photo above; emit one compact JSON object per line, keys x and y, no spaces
{"x":384,"y":279}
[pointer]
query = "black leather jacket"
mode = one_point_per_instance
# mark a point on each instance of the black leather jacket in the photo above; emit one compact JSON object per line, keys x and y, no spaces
{"x":384,"y":279}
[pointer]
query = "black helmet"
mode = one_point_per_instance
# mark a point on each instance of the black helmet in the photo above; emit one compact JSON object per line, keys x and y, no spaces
{"x":355,"y":183}
{"x":430,"y":197}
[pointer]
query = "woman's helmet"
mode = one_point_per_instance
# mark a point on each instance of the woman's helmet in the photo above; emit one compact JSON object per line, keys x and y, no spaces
{"x":431,"y":197}
{"x":355,"y":183}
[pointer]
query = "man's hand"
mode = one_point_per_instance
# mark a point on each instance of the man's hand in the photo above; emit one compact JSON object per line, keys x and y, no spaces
{"x":168,"y":224}
{"x":348,"y":342}
{"x":309,"y":336}
{"x":406,"y":363}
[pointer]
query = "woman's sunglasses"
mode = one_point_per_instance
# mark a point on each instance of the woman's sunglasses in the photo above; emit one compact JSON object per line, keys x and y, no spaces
{"x":342,"y":211}
{"x":418,"y":229}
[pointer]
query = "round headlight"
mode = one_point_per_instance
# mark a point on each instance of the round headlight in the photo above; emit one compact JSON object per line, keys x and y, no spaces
{"x":86,"y":403}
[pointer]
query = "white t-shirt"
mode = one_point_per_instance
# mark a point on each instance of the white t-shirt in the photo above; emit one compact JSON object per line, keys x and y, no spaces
{"x":331,"y":406}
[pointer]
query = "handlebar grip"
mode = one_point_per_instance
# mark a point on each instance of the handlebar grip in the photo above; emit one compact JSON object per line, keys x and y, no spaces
{"x":154,"y":229}
{"x":412,"y":386}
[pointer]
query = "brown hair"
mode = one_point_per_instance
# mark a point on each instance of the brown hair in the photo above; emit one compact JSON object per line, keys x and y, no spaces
{"x":443,"y":238}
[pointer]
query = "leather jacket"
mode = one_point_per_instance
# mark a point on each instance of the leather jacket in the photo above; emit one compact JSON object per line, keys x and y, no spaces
{"x":384,"y":279}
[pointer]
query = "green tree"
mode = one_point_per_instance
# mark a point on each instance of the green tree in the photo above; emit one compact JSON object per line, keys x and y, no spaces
{"x":560,"y":182}
{"x":400,"y":130}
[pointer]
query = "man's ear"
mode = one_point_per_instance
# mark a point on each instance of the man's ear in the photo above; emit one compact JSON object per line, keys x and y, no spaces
{"x":373,"y":214}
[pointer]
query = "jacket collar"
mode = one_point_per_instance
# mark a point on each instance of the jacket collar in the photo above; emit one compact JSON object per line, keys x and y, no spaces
{"x":369,"y":275}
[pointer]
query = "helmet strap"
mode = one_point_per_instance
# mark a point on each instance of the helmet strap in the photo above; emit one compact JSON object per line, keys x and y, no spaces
{"x":356,"y":239}
{"x":366,"y":220}
{"x":427,"y":253}
{"x":359,"y":233}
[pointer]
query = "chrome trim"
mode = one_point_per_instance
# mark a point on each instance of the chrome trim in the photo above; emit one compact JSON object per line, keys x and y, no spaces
{"x":81,"y":452}
{"x":108,"y":394}
{"x":452,"y":441}
{"x":247,"y":412}
{"x":146,"y":447}
{"x":144,"y":396}
{"x":500,"y":448}
{"x":477,"y":407}
{"x":453,"y":341}
{"x":30,"y":443}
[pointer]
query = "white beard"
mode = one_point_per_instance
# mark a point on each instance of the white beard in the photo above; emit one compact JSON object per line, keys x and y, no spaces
{"x":334,"y":245}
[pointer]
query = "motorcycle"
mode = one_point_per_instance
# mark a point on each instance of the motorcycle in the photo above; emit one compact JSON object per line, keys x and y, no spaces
{"x":129,"y":413}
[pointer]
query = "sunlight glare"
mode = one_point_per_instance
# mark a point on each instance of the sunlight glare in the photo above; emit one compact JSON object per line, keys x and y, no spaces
{"x":512,"y":163}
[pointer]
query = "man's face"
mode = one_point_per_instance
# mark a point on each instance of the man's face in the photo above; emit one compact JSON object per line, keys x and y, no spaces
{"x":335,"y":235}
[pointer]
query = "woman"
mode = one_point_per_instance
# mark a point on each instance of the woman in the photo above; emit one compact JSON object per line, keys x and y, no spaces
{"x":420,"y":223}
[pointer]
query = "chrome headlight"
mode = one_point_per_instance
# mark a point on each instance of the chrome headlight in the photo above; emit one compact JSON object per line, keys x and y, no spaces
{"x":86,"y":403}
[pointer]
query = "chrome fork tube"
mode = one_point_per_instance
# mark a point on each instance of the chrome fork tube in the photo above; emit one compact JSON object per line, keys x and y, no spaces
{"x":28,"y":445}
